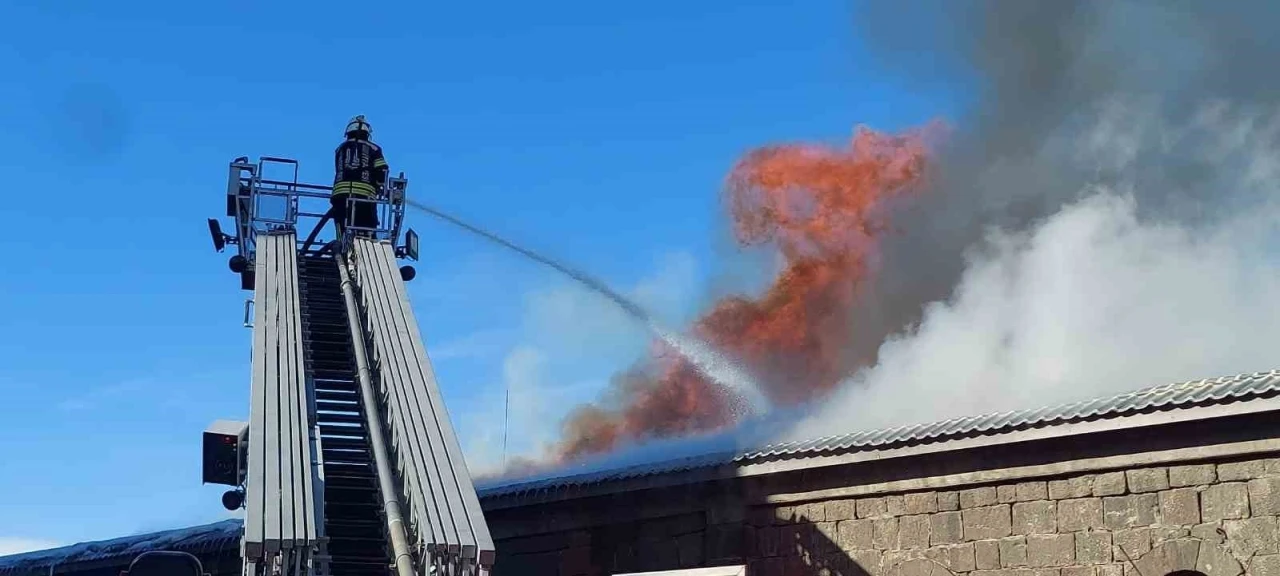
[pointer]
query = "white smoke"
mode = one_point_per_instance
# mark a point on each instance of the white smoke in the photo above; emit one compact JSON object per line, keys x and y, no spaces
{"x":1097,"y":298}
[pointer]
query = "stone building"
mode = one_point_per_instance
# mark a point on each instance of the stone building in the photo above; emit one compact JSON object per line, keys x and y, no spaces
{"x":1182,"y":480}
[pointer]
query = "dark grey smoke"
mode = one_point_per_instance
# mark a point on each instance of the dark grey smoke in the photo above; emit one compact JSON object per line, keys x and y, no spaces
{"x":1040,"y":74}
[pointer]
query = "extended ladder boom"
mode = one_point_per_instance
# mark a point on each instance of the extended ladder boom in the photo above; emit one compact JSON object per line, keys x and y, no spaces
{"x":350,"y":465}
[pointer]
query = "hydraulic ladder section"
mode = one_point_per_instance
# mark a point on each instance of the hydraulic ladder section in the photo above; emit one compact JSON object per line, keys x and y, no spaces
{"x":356,"y":540}
{"x":280,"y":521}
{"x":451,"y":531}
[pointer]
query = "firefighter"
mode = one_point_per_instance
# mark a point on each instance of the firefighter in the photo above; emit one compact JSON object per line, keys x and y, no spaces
{"x":359,"y":172}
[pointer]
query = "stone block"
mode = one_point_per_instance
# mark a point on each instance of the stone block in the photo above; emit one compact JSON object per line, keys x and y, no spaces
{"x":760,"y":515}
{"x":891,"y":560}
{"x":1228,"y":501}
{"x":1093,"y":547}
{"x":814,"y":511}
{"x":690,"y":547}
{"x":1193,"y":475}
{"x":1080,"y":514}
{"x":1077,"y":487}
{"x":1049,"y":550}
{"x":825,"y":538}
{"x":1111,"y":570}
{"x":884,"y":533}
{"x":854,"y":534}
{"x":838,"y":510}
{"x":1171,"y":557}
{"x":921,"y":502}
{"x":1252,"y":536}
{"x":948,"y":501}
{"x":1133,"y":543}
{"x":977,"y":497}
{"x":1265,"y":565}
{"x":913,"y":532}
{"x":688,"y":523}
{"x":1129,"y":511}
{"x":726,"y":542}
{"x":1211,"y":532}
{"x":783,"y":515}
{"x":895,"y":505}
{"x":1006,"y":494}
{"x":1028,"y":491}
{"x":1147,"y":480}
{"x":872,"y":508}
{"x":987,"y":523}
{"x":1264,"y":496}
{"x":1214,"y":560}
{"x":868,"y":560}
{"x":946,"y":528}
{"x":769,"y":541}
{"x":1038,"y":517}
{"x":960,"y":557}
{"x":1079,"y":571}
{"x":1180,"y":506}
{"x":1109,"y":484}
{"x":915,"y":567}
{"x":791,"y":540}
{"x":1238,"y":471}
{"x":1013,"y":552}
{"x":986,"y":554}
{"x":1160,"y":534}
{"x":723,"y":512}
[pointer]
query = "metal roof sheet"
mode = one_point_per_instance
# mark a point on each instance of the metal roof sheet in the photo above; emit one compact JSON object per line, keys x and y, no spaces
{"x":222,"y":535}
{"x":1223,"y":390}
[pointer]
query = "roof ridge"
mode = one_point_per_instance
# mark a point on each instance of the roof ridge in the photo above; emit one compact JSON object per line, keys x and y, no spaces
{"x":1049,"y":408}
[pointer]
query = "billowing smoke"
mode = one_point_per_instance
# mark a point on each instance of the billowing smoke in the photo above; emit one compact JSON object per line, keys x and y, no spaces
{"x":1067,"y":94}
{"x":1102,"y":217}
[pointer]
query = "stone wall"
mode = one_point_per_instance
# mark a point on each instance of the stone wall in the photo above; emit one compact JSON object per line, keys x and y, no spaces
{"x":1219,"y":519}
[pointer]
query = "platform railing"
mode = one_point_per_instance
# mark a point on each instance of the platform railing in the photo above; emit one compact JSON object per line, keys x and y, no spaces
{"x":262,"y":205}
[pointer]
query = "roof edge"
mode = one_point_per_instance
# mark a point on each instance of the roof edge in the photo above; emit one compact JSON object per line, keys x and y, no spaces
{"x":199,"y":537}
{"x":1241,"y":394}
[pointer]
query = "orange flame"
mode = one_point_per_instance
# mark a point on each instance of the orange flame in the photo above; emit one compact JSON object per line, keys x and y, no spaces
{"x":822,"y":208}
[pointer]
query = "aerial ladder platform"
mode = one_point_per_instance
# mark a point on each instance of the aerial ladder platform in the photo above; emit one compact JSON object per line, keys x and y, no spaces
{"x":349,"y":464}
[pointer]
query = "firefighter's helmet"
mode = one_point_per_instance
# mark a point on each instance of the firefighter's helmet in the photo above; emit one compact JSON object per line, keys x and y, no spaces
{"x":358,"y":126}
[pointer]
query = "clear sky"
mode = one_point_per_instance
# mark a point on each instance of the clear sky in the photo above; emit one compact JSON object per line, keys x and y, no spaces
{"x":598,"y":132}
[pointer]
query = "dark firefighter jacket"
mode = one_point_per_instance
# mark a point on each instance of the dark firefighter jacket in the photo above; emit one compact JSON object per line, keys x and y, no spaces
{"x":359,"y":168}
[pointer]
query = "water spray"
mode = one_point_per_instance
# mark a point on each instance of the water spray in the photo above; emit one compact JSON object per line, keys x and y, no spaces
{"x":706,"y":359}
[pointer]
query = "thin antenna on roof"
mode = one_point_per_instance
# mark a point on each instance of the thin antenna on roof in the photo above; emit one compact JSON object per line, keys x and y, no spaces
{"x":506,"y":410}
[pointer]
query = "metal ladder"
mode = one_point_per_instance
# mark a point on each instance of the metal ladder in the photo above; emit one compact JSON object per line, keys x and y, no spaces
{"x":353,"y":522}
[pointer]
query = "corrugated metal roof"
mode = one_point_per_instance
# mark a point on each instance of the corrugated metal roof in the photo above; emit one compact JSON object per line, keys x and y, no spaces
{"x":1224,"y":390}
{"x":197,"y":539}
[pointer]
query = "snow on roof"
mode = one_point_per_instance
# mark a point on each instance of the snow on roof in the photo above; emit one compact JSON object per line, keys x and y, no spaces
{"x":195,"y":539}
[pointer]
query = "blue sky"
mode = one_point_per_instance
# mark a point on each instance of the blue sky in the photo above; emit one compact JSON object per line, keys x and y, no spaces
{"x":596,"y":132}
